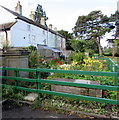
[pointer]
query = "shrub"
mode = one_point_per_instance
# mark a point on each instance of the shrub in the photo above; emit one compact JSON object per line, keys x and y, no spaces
{"x":55,"y":63}
{"x":77,"y":57}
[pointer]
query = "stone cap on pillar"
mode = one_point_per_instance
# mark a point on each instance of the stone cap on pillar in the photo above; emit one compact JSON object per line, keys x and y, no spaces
{"x":16,"y":51}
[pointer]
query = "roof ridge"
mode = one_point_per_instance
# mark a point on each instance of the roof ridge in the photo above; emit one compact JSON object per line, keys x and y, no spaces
{"x":30,"y":21}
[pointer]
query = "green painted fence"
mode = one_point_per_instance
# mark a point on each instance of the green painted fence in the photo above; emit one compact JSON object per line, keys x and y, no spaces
{"x":111,"y":65}
{"x":39,"y":80}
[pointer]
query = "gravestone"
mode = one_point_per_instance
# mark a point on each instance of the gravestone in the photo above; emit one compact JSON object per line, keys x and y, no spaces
{"x":78,"y":90}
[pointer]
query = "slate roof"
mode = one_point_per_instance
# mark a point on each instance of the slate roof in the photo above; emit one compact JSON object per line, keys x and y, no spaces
{"x":30,"y":21}
{"x":6,"y":26}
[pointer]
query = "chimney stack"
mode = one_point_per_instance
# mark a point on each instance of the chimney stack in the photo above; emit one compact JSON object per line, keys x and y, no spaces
{"x":42,"y":21}
{"x":50,"y":26}
{"x":55,"y":29}
{"x":32,"y":16}
{"x":18,"y":8}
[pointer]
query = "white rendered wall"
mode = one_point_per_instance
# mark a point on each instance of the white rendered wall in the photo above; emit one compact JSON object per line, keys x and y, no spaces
{"x":24,"y":34}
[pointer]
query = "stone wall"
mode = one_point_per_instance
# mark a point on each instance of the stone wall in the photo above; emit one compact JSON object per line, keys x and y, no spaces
{"x":78,"y":90}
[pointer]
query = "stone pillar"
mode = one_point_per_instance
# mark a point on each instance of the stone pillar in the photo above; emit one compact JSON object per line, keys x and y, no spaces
{"x":16,"y":58}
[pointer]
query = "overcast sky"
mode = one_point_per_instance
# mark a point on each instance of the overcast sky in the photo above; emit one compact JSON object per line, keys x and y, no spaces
{"x":63,"y":14}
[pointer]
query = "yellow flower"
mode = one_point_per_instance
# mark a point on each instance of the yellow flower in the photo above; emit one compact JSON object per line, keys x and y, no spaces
{"x":65,"y":68}
{"x":74,"y":63}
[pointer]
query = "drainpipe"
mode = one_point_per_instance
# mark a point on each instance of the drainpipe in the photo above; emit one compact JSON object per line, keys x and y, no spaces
{"x":6,"y":36}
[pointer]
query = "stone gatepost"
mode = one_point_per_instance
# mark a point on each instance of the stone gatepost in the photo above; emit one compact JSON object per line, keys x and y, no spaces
{"x":16,"y":58}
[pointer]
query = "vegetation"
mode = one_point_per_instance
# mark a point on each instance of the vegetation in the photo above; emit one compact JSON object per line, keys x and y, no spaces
{"x":56,"y":103}
{"x":77,"y":57}
{"x":75,"y":107}
{"x":84,"y":46}
{"x":9,"y":92}
{"x":5,"y":44}
{"x":89,"y":30}
{"x":40,"y":13}
{"x":115,"y":50}
{"x":112,"y":51}
{"x":68,"y":36}
{"x":93,"y":27}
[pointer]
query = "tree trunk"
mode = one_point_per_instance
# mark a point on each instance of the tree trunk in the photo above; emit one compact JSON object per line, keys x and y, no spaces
{"x":99,"y":46}
{"x":113,"y":51}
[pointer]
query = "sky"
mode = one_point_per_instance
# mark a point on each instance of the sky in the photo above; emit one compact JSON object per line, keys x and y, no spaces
{"x":63,"y":14}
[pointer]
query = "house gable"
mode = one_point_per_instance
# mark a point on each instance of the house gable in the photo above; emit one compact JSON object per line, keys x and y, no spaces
{"x":30,"y":21}
{"x":6,"y":26}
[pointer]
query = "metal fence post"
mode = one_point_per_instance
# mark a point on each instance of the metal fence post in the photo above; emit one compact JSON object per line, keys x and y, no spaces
{"x":4,"y":73}
{"x":38,"y":74}
{"x":16,"y":74}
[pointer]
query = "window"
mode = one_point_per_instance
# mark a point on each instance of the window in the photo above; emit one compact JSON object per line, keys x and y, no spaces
{"x":33,"y":38}
{"x":29,"y":38}
{"x":28,"y":27}
{"x":43,"y":32}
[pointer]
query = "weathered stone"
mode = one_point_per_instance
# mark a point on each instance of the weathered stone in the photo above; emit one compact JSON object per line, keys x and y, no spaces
{"x":31,"y":97}
{"x":78,"y":90}
{"x":15,"y":57}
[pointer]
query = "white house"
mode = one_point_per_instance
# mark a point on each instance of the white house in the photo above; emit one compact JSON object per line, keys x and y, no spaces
{"x":22,"y":31}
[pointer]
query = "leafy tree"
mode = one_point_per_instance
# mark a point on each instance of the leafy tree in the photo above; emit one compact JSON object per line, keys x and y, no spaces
{"x":91,"y":46}
{"x":78,"y":45}
{"x":84,"y":46}
{"x":68,"y":36}
{"x":115,"y":19}
{"x":92,"y":27}
{"x":115,"y":49}
{"x":39,"y":13}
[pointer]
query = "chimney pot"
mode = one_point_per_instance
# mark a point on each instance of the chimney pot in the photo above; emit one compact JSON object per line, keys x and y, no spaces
{"x":42,"y":21}
{"x":55,"y":29}
{"x":18,"y":8}
{"x":50,"y":26}
{"x":32,"y":15}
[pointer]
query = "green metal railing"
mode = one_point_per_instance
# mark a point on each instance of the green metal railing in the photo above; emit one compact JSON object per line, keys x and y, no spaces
{"x":111,"y":65}
{"x":39,"y":80}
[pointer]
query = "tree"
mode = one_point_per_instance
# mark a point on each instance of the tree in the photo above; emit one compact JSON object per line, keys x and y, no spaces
{"x":115,"y":49}
{"x":115,"y":19}
{"x":39,"y":13}
{"x":91,"y":47}
{"x":78,"y":45}
{"x":68,"y":36}
{"x":84,"y":46}
{"x":92,"y":27}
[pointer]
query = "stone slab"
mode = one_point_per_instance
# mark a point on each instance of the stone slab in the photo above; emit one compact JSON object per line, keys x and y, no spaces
{"x":78,"y":90}
{"x":31,"y":97}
